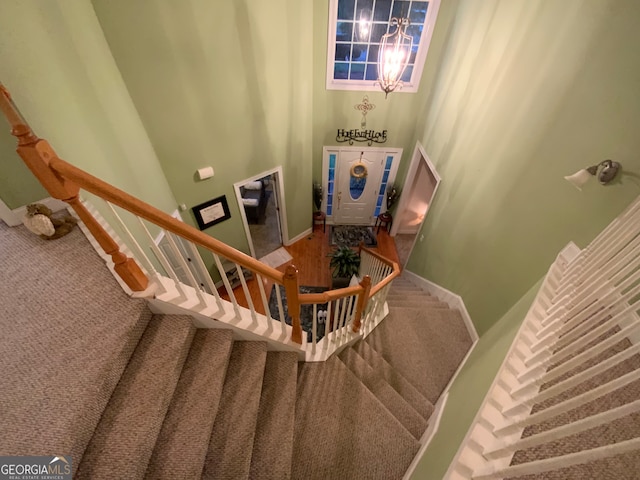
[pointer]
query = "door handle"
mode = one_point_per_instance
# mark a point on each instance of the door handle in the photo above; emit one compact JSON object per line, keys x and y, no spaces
{"x":339,"y":198}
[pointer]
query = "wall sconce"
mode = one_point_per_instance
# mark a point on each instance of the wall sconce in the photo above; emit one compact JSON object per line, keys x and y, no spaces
{"x":607,"y":173}
{"x":393,"y":56}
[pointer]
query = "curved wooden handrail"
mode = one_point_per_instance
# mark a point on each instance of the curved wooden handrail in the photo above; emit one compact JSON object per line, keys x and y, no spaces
{"x":143,"y":210}
{"x":389,"y":278}
{"x":330,"y":295}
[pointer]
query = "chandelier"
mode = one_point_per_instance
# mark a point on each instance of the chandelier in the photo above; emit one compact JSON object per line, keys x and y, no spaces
{"x":393,"y":56}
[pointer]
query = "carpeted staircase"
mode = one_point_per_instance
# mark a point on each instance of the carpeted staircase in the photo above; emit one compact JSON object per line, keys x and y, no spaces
{"x":134,"y":395}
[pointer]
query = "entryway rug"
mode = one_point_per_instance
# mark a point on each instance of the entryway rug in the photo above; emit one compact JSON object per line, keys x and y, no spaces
{"x":306,"y":311}
{"x":352,"y":235}
{"x":276,"y":258}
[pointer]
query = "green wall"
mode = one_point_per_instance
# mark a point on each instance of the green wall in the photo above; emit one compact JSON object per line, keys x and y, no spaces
{"x":222,"y":84}
{"x":18,"y":186}
{"x":58,"y":68}
{"x":469,"y":389}
{"x":524,"y":93}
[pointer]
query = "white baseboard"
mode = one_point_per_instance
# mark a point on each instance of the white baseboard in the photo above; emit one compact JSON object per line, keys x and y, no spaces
{"x":427,"y":436}
{"x":13,"y":218}
{"x":447,"y":296}
{"x":293,"y":240}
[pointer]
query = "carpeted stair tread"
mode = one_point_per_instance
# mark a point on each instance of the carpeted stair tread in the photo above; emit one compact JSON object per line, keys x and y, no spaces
{"x":417,"y":302}
{"x":273,"y":444}
{"x":425,"y":345}
{"x":231,"y":444}
{"x":385,"y":393}
{"x":399,"y":297}
{"x":187,"y":427}
{"x":411,"y":395}
{"x":125,"y":437}
{"x":342,"y":431}
{"x":44,"y":347}
{"x":395,"y":290}
{"x":403,"y":283}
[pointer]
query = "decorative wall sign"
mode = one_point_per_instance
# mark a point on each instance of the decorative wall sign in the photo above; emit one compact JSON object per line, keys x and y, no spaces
{"x":369,"y":136}
{"x":365,"y":107}
{"x":214,"y":211}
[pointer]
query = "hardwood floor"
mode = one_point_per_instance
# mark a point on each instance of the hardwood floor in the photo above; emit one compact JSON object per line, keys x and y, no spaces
{"x":309,"y":256}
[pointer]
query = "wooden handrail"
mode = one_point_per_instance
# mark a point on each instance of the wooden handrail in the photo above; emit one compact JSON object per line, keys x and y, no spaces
{"x":389,"y":278}
{"x":362,"y":302}
{"x":36,"y":154}
{"x":144,"y":210}
{"x":330,"y":295}
{"x":292,"y":291}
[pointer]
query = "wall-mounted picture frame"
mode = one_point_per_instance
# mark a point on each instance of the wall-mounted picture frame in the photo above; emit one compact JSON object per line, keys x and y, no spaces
{"x":212,"y":212}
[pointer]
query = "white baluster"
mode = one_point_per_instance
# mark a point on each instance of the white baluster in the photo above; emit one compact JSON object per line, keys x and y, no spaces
{"x":555,"y":463}
{"x":283,"y":321}
{"x":227,"y":285}
{"x":195,"y":254}
{"x":183,"y":263}
{"x":247,"y":294}
{"x":164,"y":262}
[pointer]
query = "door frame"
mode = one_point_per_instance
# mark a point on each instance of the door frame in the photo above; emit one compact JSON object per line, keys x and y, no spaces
{"x":419,"y":156}
{"x":327,"y":150}
{"x":281,"y":210}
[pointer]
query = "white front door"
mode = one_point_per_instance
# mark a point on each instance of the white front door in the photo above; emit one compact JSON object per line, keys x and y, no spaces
{"x":358,"y":184}
{"x":355,"y":181}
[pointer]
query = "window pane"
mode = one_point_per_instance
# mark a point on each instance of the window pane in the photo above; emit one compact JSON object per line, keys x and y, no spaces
{"x":373,"y":53}
{"x":400,"y":9}
{"x":364,"y":5}
{"x":406,"y":76}
{"x":387,"y":165}
{"x":364,"y":15}
{"x":378,"y":30}
{"x":343,"y":51}
{"x":359,"y":53}
{"x":357,"y":71}
{"x":344,"y":31}
{"x":383,"y":8}
{"x":416,"y":32}
{"x":372,"y":71}
{"x":418,"y":12}
{"x":341,"y":71}
{"x":345,"y":9}
{"x":356,"y":187}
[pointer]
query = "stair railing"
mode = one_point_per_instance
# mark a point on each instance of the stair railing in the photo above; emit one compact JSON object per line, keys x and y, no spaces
{"x":559,"y":346}
{"x":340,"y":316}
{"x":63,"y":181}
{"x":348,"y":308}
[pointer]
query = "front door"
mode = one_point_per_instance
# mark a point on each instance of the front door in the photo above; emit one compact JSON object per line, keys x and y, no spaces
{"x":355,"y":182}
{"x":357,"y":187}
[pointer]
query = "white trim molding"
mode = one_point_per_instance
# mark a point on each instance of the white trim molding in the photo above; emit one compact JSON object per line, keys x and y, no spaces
{"x":452,"y":299}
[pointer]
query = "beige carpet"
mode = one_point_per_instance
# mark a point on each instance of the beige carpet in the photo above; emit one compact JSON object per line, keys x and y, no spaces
{"x":118,"y":388}
{"x":65,"y":322}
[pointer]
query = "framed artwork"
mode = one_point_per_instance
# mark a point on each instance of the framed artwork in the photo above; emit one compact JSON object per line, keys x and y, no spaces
{"x":214,"y":211}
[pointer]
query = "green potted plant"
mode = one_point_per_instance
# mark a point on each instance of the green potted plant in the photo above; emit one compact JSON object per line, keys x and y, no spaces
{"x":345,"y":263}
